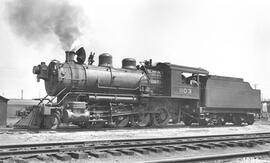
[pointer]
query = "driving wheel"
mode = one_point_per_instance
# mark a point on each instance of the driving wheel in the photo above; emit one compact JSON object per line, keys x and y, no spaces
{"x":141,"y":120}
{"x":161,"y":116}
{"x":121,"y":121}
{"x":187,"y":120}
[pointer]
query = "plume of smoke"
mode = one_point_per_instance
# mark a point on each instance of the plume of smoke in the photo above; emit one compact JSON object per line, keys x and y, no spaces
{"x":38,"y":20}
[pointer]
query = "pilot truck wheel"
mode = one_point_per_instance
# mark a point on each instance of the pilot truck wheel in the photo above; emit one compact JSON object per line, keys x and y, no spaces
{"x":51,"y":121}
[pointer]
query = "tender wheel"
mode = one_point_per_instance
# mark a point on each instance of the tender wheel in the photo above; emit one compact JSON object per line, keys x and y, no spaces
{"x":161,"y":117}
{"x":187,"y":121}
{"x":202,"y":122}
{"x":96,"y":125}
{"x":237,"y":120}
{"x":121,"y":121}
{"x":141,"y":120}
{"x":220,"y":121}
{"x":82,"y":125}
{"x":51,"y":122}
{"x":90,"y":125}
{"x":250,"y":119}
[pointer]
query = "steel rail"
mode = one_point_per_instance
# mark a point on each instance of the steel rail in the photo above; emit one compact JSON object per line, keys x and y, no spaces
{"x":189,"y":139}
{"x":65,"y":147}
{"x":211,"y":157}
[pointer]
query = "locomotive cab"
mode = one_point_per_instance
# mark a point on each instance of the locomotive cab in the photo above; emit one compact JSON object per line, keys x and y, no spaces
{"x":181,"y":81}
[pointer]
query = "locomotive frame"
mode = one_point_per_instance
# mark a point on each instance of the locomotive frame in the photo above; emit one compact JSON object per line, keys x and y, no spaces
{"x":95,"y":96}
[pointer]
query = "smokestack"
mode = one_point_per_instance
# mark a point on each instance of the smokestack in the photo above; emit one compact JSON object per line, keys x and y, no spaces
{"x":70,"y":56}
{"x":22,"y":94}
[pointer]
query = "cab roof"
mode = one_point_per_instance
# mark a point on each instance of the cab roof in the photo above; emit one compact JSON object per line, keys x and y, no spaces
{"x":184,"y":68}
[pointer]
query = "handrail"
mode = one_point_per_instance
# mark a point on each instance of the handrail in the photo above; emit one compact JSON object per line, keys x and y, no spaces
{"x":96,"y":94}
{"x":56,"y":95}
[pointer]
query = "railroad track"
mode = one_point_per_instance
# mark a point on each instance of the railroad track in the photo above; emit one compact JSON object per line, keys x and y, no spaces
{"x":65,"y":151}
{"x":212,"y":157}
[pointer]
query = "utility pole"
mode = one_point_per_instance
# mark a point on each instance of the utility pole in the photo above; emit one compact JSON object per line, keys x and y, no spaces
{"x":22,"y":94}
{"x":255,"y":86}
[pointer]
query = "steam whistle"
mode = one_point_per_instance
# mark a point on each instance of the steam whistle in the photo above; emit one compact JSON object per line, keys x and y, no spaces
{"x":91,"y":58}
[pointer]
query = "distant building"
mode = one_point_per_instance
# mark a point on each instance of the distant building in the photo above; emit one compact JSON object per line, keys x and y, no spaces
{"x":3,"y":111}
{"x":19,"y":104}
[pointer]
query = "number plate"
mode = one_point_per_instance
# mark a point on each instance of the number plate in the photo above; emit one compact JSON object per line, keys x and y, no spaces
{"x":186,"y":91}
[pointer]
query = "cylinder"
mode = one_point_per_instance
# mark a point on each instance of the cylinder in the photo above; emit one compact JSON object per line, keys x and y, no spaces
{"x":105,"y":60}
{"x":129,"y":63}
{"x":76,"y":112}
{"x":71,"y":116}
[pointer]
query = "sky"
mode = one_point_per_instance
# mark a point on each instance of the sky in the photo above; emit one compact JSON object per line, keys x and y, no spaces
{"x":225,"y":37}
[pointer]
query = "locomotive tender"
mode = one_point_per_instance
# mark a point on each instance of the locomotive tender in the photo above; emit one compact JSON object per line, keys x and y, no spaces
{"x":139,"y":95}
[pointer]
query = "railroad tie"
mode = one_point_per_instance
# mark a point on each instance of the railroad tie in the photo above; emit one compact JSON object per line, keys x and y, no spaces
{"x":141,"y":150}
{"x":79,"y":146}
{"x":62,"y":156}
{"x":114,"y":153}
{"x":97,"y":154}
{"x":33,"y":148}
{"x":230,"y":144}
{"x":192,"y":147}
{"x":127,"y":152}
{"x":241,"y":143}
{"x":164,"y":141}
{"x":105,"y":144}
{"x":261,"y":142}
{"x":115,"y":143}
{"x":44,"y":157}
{"x":48,"y":147}
{"x":245,"y":144}
{"x":167,"y":149}
{"x":209,"y":146}
{"x":78,"y":155}
{"x":179,"y":140}
{"x":4,"y":161}
{"x":9,"y":160}
{"x":154,"y":149}
{"x":67,"y":149}
{"x":267,"y":141}
{"x":219,"y":145}
{"x":257,"y":142}
{"x":149,"y":142}
{"x":250,"y":144}
{"x":171,"y":141}
{"x":20,"y":160}
{"x":179,"y":148}
{"x":138,"y":142}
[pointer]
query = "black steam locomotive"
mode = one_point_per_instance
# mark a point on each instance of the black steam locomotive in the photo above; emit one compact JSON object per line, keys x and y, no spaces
{"x":138,"y":95}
